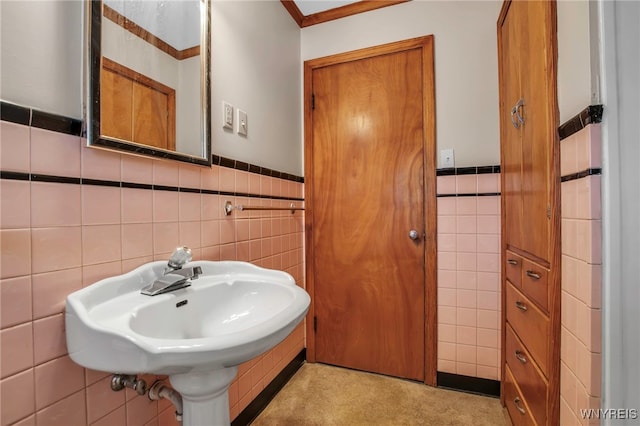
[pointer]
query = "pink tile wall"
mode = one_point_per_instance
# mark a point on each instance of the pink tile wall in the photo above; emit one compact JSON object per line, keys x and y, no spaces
{"x":57,"y":238}
{"x":469,"y":276}
{"x":580,"y":373}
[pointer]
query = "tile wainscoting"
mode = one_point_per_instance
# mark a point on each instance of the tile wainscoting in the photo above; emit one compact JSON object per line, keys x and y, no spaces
{"x":581,"y":324}
{"x":469,"y":271}
{"x":72,"y":215}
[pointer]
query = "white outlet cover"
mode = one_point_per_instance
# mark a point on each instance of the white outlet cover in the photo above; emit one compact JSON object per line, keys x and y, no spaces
{"x":227,"y":115}
{"x":447,"y":159}
{"x":243,"y":125}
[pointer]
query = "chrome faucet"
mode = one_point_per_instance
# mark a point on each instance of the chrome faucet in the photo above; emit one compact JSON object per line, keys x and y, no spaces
{"x":174,"y":276}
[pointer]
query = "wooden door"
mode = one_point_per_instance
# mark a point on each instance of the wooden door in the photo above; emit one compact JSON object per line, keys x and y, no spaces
{"x":116,"y":106}
{"x":151,"y":123}
{"x":537,"y":139}
{"x":136,"y":108}
{"x":526,"y":150}
{"x":511,"y":135}
{"x":367,"y":194}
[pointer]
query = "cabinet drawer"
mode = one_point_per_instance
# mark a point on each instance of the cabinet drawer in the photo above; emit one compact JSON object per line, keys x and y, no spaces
{"x":535,"y":283}
{"x":513,"y":268}
{"x":527,"y":375}
{"x":531,"y":324}
{"x":518,"y":410}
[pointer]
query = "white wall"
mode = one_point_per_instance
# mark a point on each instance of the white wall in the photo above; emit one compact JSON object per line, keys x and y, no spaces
{"x":466,"y":65}
{"x":257,"y":50}
{"x":188,"y":104}
{"x":41,"y":55}
{"x":574,"y":59}
{"x":256,"y":67}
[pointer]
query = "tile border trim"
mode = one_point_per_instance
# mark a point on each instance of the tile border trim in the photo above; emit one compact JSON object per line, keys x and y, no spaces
{"x":580,"y":175}
{"x":43,"y":120}
{"x":590,"y":115}
{"x":474,"y":170}
{"x":470,"y":194}
{"x":263,"y":399}
{"x":475,"y":385}
{"x":18,"y":114}
{"x":15,"y":113}
{"x":33,"y":177}
{"x":252,"y":168}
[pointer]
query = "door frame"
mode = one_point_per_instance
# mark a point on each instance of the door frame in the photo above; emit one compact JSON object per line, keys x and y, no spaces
{"x":429,"y":165}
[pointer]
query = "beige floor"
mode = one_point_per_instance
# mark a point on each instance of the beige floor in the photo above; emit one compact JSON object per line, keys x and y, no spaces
{"x":324,"y":395}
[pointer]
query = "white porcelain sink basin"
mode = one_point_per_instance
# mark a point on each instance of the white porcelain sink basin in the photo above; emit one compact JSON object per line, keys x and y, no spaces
{"x":196,"y":335}
{"x":233,"y":312}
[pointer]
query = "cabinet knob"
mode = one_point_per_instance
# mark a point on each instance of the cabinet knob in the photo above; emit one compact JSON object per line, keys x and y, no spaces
{"x":516,"y":402}
{"x":516,"y":119}
{"x":513,"y":119}
{"x":520,"y":357}
{"x":512,"y":262}
{"x":520,"y":305}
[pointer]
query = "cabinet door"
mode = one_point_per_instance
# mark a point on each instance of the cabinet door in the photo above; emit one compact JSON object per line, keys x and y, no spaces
{"x":116,"y":93}
{"x":151,"y":122}
{"x":510,"y":35}
{"x":537,"y":132}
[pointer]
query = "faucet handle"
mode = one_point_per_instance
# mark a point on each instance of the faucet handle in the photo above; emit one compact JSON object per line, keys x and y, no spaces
{"x":179,"y":257}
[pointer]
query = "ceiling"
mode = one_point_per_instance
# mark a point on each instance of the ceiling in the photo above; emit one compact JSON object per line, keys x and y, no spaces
{"x":311,"y":12}
{"x":309,"y":7}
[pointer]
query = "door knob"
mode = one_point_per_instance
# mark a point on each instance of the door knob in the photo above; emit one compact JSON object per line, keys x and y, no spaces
{"x":413,"y":234}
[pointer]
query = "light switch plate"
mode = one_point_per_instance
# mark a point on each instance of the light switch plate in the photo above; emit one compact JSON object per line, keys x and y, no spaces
{"x":227,"y":115}
{"x":446,"y":158}
{"x":242,"y":123}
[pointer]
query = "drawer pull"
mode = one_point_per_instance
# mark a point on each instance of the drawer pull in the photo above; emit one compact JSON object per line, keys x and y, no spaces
{"x":512,"y":262}
{"x":516,"y":402}
{"x":520,"y":305}
{"x":533,"y":275}
{"x":520,"y":356}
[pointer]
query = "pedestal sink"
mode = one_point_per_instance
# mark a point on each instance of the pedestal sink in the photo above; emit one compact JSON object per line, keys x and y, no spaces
{"x":196,"y":335}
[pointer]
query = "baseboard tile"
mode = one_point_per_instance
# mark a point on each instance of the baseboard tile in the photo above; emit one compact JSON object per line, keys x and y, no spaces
{"x":256,"y":406}
{"x":469,"y":384}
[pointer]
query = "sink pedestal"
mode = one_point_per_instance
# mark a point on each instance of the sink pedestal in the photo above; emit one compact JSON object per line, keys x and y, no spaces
{"x":205,"y":396}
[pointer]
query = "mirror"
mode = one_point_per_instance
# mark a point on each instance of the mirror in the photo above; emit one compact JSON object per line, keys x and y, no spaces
{"x":149,"y":79}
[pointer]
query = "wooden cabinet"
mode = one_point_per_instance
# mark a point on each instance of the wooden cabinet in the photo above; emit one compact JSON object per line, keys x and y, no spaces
{"x":527,"y":54}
